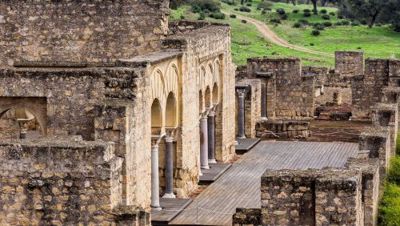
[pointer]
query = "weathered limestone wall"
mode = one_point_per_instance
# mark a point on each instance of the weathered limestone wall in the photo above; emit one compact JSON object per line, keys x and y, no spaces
{"x":367,"y":89}
{"x":208,"y":45}
{"x":70,"y":93}
{"x":60,"y":182}
{"x":80,"y":31}
{"x":377,"y":141}
{"x":252,"y":106}
{"x":289,"y":94}
{"x":370,"y":191}
{"x":312,"y":197}
{"x":349,"y":63}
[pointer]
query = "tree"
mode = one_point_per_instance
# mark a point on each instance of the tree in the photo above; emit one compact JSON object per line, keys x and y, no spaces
{"x":368,"y":10}
{"x":315,"y":10}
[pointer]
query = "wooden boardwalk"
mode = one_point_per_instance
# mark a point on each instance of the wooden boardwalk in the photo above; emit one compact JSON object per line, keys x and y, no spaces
{"x":240,"y":185}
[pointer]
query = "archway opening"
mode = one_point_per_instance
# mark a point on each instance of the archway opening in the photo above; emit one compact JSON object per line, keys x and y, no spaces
{"x":215,"y":94}
{"x":207,"y":97}
{"x":171,"y":112}
{"x":19,"y":122}
{"x":156,"y":117}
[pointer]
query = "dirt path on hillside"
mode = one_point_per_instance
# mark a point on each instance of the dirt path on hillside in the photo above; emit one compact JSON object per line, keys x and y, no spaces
{"x":274,"y":38}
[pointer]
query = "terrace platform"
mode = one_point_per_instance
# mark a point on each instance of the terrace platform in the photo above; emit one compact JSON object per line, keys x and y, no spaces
{"x":240,"y":185}
{"x":244,"y":145}
{"x":212,"y":174}
{"x":170,"y":209}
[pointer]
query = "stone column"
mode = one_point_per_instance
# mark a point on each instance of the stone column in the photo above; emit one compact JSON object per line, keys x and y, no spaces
{"x":155,"y":179}
{"x":204,"y":143}
{"x":241,"y":119}
{"x":263,"y":101}
{"x":169,"y":168}
{"x":211,"y":137}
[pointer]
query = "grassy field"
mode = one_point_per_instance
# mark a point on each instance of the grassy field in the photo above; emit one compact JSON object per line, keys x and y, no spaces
{"x":377,"y":42}
{"x":389,"y":207}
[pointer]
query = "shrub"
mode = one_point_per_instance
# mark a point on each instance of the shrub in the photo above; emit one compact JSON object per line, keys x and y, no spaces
{"x":236,"y":9}
{"x":394,"y":171}
{"x":315,"y":32}
{"x":318,"y":26}
{"x":280,"y":11}
{"x":389,"y":208}
{"x":244,"y":9}
{"x":311,"y":44}
{"x":275,"y":21}
{"x":363,"y":22}
{"x":182,"y":17}
{"x":340,"y":17}
{"x":326,"y":17}
{"x":297,"y":25}
{"x":202,"y":16}
{"x":327,"y":24}
{"x":232,"y":16}
{"x":307,"y":10}
{"x":295,"y":11}
{"x":307,"y":14}
{"x":355,"y":23}
{"x":284,"y":17}
{"x":205,"y":5}
{"x":323,"y":11}
{"x":345,"y":22}
{"x":244,"y":21}
{"x":339,"y":23}
{"x":218,"y":16}
{"x":303,"y":21}
{"x":248,"y":4}
{"x":264,"y":5}
{"x":263,"y":11}
{"x":332,"y":13}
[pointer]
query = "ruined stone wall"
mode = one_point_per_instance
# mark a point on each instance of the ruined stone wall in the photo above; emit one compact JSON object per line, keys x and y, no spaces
{"x":367,"y":90}
{"x":371,"y":184}
{"x":60,"y":182}
{"x":349,"y":63}
{"x":252,"y":106}
{"x":202,"y":46}
{"x":80,"y":31}
{"x":289,"y":94}
{"x":311,"y":197}
{"x":335,"y":84}
{"x":70,"y":94}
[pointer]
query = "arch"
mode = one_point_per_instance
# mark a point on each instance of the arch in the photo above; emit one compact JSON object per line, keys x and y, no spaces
{"x":217,"y":72}
{"x":207,"y":97}
{"x":36,"y":106}
{"x":215,"y":94}
{"x":201,"y":102}
{"x":157,"y":85}
{"x":202,"y":80}
{"x":156,"y":117}
{"x":171,"y":111}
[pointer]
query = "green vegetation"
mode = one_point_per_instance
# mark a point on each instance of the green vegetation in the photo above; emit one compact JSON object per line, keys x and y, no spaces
{"x":389,"y":208}
{"x":289,"y":22}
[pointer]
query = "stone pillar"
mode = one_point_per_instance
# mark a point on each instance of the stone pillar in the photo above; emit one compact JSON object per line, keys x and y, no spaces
{"x":169,"y":168}
{"x":155,"y":179}
{"x":211,"y":137}
{"x":263,"y":101}
{"x":241,"y":99}
{"x":204,"y":143}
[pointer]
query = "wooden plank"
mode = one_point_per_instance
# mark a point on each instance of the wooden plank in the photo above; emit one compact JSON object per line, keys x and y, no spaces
{"x":239,"y":186}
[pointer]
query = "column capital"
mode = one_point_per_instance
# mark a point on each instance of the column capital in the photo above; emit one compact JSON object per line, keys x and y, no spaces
{"x":169,"y":139}
{"x":155,"y":140}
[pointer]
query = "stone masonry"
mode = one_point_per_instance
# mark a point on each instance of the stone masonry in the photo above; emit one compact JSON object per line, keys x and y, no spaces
{"x":105,"y":72}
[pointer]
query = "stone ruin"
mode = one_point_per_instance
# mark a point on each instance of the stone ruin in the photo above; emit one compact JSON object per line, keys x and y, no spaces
{"x":339,"y":196}
{"x":109,"y":106}
{"x":115,"y":90}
